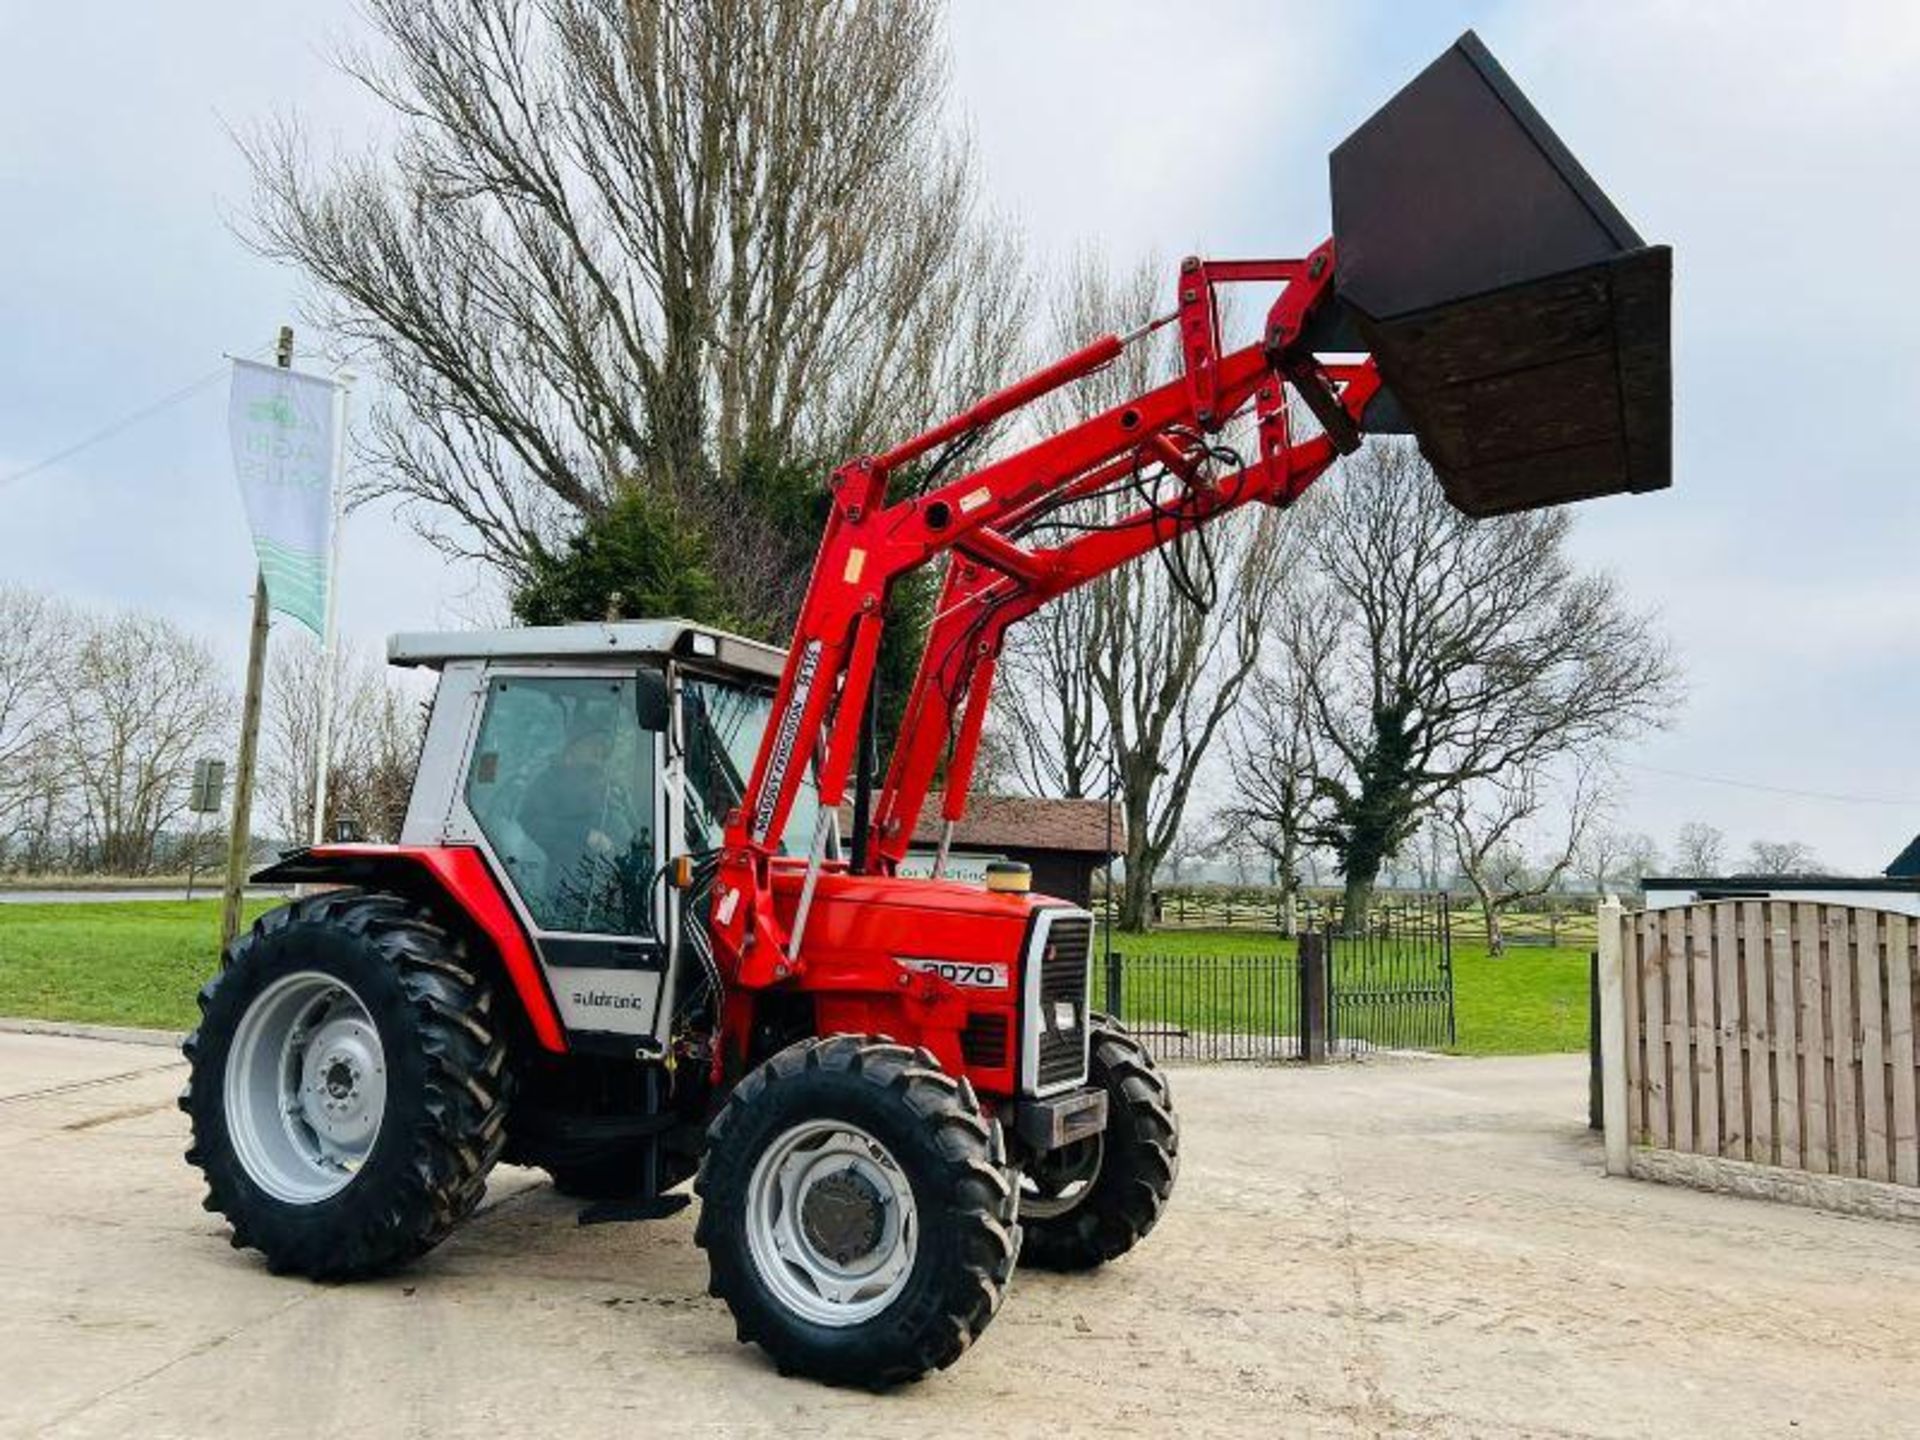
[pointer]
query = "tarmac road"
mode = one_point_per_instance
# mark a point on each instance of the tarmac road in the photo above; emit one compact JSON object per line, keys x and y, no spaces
{"x":1399,"y":1247}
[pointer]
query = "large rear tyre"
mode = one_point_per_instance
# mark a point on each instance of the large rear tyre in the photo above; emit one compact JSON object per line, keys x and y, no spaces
{"x":1095,"y":1200}
{"x":346,"y":1086}
{"x":857,"y":1212}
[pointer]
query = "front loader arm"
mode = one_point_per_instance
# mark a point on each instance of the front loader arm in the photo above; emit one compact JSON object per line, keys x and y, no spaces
{"x":946,"y":709}
{"x":995,"y":580}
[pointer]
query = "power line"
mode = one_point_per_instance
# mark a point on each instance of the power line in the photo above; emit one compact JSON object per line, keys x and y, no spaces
{"x":127,"y":421}
{"x":1776,"y":789}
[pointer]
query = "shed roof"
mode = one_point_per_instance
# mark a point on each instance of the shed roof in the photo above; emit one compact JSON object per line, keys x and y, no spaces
{"x":1022,"y":822}
{"x":1906,"y":865}
{"x":1780,"y":882}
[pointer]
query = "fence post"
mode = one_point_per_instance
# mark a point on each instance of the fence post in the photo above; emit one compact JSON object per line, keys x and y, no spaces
{"x":1611,"y":970}
{"x":1313,"y":997}
{"x":1596,"y":1096}
{"x":1113,"y":981}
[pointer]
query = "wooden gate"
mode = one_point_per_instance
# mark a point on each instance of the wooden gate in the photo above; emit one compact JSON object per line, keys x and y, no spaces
{"x":1762,"y":1032}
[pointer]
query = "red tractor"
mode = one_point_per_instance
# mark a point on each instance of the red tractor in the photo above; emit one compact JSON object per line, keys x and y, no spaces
{"x":623,"y":937}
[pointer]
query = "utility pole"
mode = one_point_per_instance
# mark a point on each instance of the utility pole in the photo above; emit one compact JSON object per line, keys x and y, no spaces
{"x":330,"y":638}
{"x":240,"y":835}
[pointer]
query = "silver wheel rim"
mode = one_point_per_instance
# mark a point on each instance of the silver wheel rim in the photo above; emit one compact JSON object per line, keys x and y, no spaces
{"x":1050,"y":1191}
{"x":831,"y":1223}
{"x":306,"y":1087}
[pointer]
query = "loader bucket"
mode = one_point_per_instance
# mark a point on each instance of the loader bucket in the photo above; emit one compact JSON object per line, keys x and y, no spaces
{"x":1519,"y":322}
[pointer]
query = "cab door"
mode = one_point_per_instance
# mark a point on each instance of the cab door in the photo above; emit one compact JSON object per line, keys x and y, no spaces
{"x":564,"y":790}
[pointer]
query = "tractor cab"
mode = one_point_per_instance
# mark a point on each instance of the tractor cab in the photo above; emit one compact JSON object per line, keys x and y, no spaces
{"x":578,"y":759}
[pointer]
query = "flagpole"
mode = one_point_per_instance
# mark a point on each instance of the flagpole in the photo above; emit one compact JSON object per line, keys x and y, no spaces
{"x":343,"y":387}
{"x":240,"y":829}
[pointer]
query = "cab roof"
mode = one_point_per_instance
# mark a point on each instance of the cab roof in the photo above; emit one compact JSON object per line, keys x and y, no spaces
{"x":589,"y":640}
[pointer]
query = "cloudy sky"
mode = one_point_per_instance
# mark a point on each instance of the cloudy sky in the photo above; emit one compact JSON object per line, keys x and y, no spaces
{"x":1772,"y":145}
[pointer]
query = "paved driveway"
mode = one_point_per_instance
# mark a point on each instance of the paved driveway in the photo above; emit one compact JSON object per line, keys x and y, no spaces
{"x":1414,"y":1247}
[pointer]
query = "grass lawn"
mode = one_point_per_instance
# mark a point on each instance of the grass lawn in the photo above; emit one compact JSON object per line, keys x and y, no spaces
{"x":1529,"y":1001}
{"x":142,"y":962}
{"x":135,"y":962}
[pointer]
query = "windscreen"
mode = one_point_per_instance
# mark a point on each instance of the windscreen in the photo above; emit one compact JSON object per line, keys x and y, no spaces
{"x":723,"y":722}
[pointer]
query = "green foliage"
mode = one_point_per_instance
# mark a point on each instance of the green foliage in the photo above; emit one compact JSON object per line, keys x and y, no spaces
{"x":642,"y":557}
{"x":1366,"y":824}
{"x":637,"y":558}
{"x":791,"y":494}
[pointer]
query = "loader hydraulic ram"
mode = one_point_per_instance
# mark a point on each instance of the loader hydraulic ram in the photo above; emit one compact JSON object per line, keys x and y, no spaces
{"x":620,"y":938}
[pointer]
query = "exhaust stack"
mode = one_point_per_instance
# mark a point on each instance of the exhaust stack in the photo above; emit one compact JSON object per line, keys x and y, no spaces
{"x":1520,"y":323}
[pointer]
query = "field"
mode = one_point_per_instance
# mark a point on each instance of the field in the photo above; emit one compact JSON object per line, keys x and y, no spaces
{"x":136,"y":962}
{"x":1530,"y":1001}
{"x":141,"y":963}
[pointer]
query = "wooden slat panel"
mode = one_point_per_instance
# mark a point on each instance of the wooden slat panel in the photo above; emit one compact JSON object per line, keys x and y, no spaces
{"x":1730,"y":1030}
{"x":1673,"y":963}
{"x":1777,"y":1032}
{"x":1874,"y":1127}
{"x":1843,"y":1080}
{"x":1786,"y":1014}
{"x":1758,"y":1025}
{"x":1808,"y":934}
{"x":1636,"y":1030}
{"x":1653,"y":987}
{"x":1901,"y":1073}
{"x":1706,"y":1044}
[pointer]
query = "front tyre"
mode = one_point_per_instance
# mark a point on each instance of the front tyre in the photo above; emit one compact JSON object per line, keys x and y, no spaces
{"x":857,"y":1212}
{"x":346,"y":1087}
{"x":1093,"y":1201}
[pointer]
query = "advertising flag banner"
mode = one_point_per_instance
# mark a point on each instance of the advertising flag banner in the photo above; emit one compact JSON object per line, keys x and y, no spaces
{"x":283,"y":455}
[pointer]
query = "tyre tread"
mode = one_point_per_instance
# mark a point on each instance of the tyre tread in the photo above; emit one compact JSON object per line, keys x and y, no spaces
{"x":970,"y":1146}
{"x":460,"y":1130}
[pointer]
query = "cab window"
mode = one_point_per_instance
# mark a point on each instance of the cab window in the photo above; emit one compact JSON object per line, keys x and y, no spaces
{"x":724,"y":721}
{"x":562,"y":786}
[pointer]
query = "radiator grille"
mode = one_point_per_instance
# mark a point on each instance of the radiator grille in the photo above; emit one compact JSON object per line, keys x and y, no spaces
{"x":983,"y":1043}
{"x":1063,"y":979}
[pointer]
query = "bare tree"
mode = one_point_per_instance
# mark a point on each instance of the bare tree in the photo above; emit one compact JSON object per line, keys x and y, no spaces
{"x":1050,"y":709}
{"x":139,"y":702}
{"x":1243,"y":856}
{"x":1640,"y":859}
{"x":1699,"y":849}
{"x":1488,"y":821}
{"x":1436,"y":652}
{"x":1612,"y":857}
{"x":1154,"y":655}
{"x":1046,"y":698}
{"x":1782,"y":857}
{"x":37,"y":637}
{"x":1273,"y":765}
{"x":1169,"y":668}
{"x":1191,"y":848}
{"x":668,"y":243}
{"x":374,"y":743}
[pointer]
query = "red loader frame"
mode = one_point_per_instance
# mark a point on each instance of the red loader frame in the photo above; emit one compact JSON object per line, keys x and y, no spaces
{"x":993,"y":581}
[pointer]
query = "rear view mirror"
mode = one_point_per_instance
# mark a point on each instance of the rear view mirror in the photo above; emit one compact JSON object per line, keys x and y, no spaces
{"x":1520,"y":323}
{"x":650,"y":699}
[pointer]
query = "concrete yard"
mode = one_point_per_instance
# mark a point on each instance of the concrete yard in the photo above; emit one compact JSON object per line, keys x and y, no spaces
{"x":1419,"y":1247}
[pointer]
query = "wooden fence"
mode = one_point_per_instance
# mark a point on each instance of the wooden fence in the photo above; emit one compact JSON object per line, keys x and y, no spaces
{"x":1761,"y":1033}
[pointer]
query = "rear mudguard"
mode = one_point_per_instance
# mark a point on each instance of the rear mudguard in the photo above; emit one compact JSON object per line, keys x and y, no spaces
{"x":451,"y":875}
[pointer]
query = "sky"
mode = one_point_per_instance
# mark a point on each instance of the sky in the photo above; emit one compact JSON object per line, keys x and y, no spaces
{"x":1771,"y":145}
